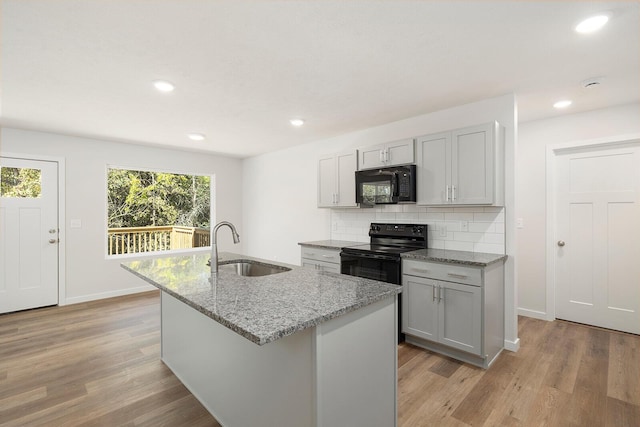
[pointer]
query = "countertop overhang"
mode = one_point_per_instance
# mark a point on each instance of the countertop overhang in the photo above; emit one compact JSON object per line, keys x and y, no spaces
{"x":261,"y":309}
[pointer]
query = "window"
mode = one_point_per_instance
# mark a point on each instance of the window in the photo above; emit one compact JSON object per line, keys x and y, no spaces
{"x":156,"y":211}
{"x":20,"y":182}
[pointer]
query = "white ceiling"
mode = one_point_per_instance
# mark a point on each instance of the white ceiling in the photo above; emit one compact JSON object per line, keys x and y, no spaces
{"x":242,"y":69}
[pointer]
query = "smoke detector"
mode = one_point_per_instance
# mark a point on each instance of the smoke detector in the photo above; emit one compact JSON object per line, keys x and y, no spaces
{"x":591,"y":83}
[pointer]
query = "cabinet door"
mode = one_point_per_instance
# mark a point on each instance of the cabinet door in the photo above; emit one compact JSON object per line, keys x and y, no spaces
{"x":433,"y":169}
{"x":420,"y":307}
{"x":400,"y":152}
{"x":460,"y":316}
{"x":346,"y":165}
{"x":472,"y":165}
{"x":327,"y":181}
{"x":371,"y":157}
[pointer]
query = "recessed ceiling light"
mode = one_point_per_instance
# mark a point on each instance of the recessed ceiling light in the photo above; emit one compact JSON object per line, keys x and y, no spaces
{"x":592,"y":24}
{"x":296,"y":122}
{"x":196,"y":136}
{"x":163,"y":86}
{"x":562,"y":104}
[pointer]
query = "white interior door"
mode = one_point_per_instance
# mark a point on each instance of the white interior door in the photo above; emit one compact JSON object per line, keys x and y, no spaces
{"x":598,"y":237}
{"x":28,"y":234}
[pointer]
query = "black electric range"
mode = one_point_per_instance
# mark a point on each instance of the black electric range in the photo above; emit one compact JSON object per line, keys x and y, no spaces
{"x":380,"y":258}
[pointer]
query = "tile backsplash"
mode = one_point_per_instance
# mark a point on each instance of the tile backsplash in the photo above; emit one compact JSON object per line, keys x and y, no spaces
{"x":474,"y":229}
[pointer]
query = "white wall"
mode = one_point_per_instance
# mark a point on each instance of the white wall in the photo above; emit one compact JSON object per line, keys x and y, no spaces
{"x":533,"y":139}
{"x":89,"y":275}
{"x":279,"y":188}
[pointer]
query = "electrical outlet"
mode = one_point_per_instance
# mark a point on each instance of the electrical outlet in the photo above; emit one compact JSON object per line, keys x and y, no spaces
{"x":464,"y":225}
{"x":442,"y":230}
{"x":520,"y":223}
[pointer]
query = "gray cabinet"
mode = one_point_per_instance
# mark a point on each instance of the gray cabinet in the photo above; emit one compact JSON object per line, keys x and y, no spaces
{"x":394,"y":153}
{"x":336,"y":180}
{"x":321,"y":258}
{"x":454,"y":309}
{"x":461,"y":167}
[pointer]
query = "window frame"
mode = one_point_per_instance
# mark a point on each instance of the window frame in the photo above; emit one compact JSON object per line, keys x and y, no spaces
{"x":154,"y":254}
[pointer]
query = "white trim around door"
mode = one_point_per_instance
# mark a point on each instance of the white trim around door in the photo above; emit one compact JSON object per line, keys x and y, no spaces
{"x":553,"y":151}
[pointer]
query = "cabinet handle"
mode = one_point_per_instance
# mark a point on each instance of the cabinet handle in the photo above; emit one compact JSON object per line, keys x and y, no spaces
{"x":420,"y":270}
{"x":381,"y":156}
{"x":337,"y":198}
{"x":439,"y":294}
{"x":386,"y":155}
{"x":446,"y":191}
{"x":453,"y":193}
{"x":457,"y":275}
{"x":327,"y":256}
{"x":433,"y":293}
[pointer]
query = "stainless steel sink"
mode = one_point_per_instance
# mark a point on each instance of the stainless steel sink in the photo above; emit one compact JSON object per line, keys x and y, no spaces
{"x":252,"y":269}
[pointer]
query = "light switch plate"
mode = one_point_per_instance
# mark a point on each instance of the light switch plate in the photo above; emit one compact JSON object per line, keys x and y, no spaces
{"x":520,"y":223}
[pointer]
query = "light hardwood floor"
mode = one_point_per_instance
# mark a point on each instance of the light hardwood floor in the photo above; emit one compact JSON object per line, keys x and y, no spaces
{"x":97,"y":364}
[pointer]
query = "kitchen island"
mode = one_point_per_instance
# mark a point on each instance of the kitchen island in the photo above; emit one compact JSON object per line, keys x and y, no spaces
{"x":297,"y":348}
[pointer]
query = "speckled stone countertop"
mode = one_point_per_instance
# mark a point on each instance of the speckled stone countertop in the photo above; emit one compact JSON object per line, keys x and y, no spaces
{"x":261,"y":309}
{"x":331,"y":244}
{"x":455,"y":257}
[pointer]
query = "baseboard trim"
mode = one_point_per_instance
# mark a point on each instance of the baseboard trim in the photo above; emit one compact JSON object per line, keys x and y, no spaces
{"x":532,"y":313}
{"x":110,"y":294}
{"x":512,"y":345}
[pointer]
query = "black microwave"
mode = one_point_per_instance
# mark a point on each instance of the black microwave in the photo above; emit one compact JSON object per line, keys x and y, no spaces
{"x":386,"y":186}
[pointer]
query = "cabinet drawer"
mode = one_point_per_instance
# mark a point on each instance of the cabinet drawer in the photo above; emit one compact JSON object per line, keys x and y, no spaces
{"x":321,"y":265}
{"x":319,"y":254}
{"x":442,"y":271}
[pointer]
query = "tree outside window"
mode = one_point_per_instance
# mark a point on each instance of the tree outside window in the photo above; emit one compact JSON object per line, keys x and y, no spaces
{"x":156,"y":211}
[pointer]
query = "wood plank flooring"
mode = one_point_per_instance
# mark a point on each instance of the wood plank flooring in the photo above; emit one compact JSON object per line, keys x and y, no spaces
{"x":98,"y":364}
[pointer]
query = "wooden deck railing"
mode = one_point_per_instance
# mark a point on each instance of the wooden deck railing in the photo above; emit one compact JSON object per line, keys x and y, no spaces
{"x":128,"y":240}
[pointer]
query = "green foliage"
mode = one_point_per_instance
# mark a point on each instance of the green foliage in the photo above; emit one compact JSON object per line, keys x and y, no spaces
{"x":141,"y":198}
{"x":20,"y":182}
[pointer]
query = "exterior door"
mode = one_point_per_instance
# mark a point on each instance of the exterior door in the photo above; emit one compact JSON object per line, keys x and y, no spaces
{"x":598,"y":237}
{"x":28,"y":234}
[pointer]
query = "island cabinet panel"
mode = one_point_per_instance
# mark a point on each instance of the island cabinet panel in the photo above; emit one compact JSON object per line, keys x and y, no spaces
{"x":454,"y":309}
{"x":356,"y":365}
{"x":341,"y":372}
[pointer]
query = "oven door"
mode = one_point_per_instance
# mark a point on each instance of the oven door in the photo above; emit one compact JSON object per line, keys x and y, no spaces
{"x":371,"y":266}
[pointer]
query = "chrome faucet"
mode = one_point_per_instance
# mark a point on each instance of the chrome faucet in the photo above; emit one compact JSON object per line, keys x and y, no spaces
{"x":214,"y":244}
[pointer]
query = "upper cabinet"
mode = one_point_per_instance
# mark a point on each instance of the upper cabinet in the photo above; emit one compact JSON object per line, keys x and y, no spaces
{"x":336,"y":180}
{"x":461,"y":167}
{"x":394,"y":153}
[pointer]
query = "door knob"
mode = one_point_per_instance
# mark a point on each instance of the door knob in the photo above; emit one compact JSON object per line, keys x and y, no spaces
{"x":52,"y":231}
{"x":53,"y":241}
{"x":560,"y":243}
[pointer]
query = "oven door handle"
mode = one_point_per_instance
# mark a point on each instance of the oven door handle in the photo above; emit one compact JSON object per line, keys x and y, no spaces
{"x":371,"y":256}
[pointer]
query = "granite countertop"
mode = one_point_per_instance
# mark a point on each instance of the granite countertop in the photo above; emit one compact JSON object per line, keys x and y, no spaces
{"x":457,"y":257}
{"x":331,"y":244}
{"x":261,"y":309}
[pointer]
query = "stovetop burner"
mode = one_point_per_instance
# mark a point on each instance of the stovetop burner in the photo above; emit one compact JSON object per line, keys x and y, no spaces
{"x":392,"y":239}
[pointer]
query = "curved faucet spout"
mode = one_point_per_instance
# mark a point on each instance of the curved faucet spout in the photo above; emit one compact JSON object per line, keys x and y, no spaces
{"x":214,"y":244}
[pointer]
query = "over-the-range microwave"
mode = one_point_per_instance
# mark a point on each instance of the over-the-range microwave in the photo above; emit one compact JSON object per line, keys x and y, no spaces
{"x":386,"y":186}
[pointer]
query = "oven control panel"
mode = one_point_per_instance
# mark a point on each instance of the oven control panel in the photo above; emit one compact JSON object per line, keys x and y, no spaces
{"x":399,"y":230}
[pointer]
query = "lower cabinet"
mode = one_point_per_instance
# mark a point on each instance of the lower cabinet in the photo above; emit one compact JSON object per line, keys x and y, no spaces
{"x":463,"y":319}
{"x":321,"y":259}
